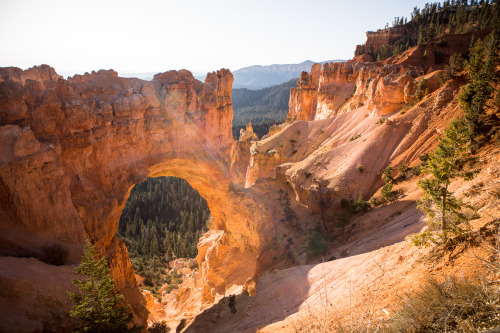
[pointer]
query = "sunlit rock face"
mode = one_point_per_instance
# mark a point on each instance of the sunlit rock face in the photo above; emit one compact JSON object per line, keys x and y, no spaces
{"x":341,"y":87}
{"x":304,"y":98}
{"x":71,"y":150}
{"x":382,"y":87}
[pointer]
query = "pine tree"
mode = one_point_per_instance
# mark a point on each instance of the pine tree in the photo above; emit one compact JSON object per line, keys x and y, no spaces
{"x":96,"y":303}
{"x":482,"y":63}
{"x":388,"y":180}
{"x":444,"y":164}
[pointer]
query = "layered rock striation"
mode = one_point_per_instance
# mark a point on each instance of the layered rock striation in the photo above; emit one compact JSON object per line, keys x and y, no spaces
{"x":383,"y":87}
{"x":341,"y":87}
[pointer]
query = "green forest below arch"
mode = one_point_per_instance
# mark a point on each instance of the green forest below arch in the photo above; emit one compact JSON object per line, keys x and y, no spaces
{"x":163,"y":219}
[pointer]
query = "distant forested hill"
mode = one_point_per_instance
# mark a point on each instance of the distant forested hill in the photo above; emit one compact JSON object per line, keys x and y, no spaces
{"x":258,"y":77}
{"x":263,"y":107}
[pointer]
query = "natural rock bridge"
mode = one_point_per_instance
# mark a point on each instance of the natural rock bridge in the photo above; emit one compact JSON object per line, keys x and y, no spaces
{"x":71,"y":151}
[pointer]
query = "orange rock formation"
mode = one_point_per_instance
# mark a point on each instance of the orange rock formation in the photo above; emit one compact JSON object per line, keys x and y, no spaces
{"x":382,"y":87}
{"x":73,"y":149}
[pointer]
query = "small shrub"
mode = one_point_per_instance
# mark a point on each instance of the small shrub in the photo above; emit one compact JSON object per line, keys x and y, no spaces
{"x":421,"y":91}
{"x":293,"y":141}
{"x":416,"y":170}
{"x":361,"y":168}
{"x":376,"y":201}
{"x":402,"y":167}
{"x":194,"y":265}
{"x":360,"y":205}
{"x":170,"y":288}
{"x":316,"y":244}
{"x":381,"y":120}
{"x":455,"y":305}
{"x":342,"y":219}
{"x":148,"y":282}
{"x":355,"y":137}
{"x":294,"y":151}
{"x":54,"y":254}
{"x":159,"y":327}
{"x":289,"y":214}
{"x":167,"y":279}
{"x":298,"y":132}
{"x":345,"y":204}
{"x":442,"y":77}
{"x":308,"y":174}
{"x":424,"y":157}
{"x":387,"y":175}
{"x":320,"y":131}
{"x":387,"y":191}
{"x":425,"y":238}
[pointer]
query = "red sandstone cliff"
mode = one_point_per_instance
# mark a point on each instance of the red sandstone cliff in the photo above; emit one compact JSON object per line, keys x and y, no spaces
{"x":340,"y":87}
{"x":71,"y":150}
{"x":382,"y":87}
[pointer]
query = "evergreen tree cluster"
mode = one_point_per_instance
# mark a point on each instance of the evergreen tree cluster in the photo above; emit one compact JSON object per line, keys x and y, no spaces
{"x":163,"y":219}
{"x":454,"y":155}
{"x":435,"y":19}
{"x":475,"y":96}
{"x":264,"y":107}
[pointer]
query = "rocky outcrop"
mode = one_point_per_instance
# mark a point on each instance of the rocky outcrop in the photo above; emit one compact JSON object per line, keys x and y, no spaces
{"x":336,"y":85}
{"x":383,"y":87}
{"x":33,"y":296}
{"x":73,"y":149}
{"x":340,"y":87}
{"x":304,"y":98}
{"x":376,"y":40}
{"x":343,"y":156}
{"x":248,"y":134}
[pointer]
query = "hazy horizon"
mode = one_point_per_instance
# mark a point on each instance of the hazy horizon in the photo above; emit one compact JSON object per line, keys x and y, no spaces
{"x":157,"y":36}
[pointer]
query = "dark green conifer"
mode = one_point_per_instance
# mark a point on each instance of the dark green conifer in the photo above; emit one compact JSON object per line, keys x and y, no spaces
{"x":96,"y":302}
{"x":447,"y":162}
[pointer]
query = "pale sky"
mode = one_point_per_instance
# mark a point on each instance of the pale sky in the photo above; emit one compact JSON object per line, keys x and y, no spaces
{"x":202,"y":36}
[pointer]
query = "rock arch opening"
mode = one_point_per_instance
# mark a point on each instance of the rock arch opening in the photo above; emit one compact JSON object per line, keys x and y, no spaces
{"x":162,"y":221}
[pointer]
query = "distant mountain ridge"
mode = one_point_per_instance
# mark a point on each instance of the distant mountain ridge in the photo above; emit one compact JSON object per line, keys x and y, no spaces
{"x":259,"y":77}
{"x":252,"y":77}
